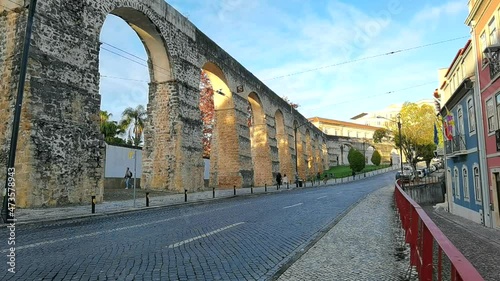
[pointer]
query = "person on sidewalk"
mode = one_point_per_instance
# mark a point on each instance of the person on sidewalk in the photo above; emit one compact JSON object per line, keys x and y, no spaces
{"x":128,"y":176}
{"x":285,"y":180}
{"x":278,"y":180}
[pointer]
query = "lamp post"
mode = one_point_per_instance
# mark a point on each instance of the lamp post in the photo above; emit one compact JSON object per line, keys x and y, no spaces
{"x":295,"y":127}
{"x":399,"y":132}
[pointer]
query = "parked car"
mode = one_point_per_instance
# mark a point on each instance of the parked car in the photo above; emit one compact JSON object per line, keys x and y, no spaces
{"x":421,"y":173}
{"x":408,"y":174}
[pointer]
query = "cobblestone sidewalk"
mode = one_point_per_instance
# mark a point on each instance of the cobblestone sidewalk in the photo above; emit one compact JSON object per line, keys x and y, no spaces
{"x":365,"y":245}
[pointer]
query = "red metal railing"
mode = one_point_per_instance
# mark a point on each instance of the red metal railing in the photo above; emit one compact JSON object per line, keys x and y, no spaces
{"x":427,"y":245}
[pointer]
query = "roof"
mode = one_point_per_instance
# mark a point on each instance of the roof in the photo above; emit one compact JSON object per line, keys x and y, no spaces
{"x":359,"y":116}
{"x":342,"y":123}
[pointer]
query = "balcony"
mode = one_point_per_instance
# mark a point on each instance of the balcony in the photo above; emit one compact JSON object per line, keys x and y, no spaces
{"x":492,"y":54}
{"x":456,"y":146}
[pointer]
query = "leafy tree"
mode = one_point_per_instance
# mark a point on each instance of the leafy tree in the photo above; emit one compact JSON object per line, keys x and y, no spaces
{"x":417,"y":131}
{"x":381,"y":135}
{"x":356,"y":160}
{"x":134,"y":119}
{"x":207,"y":109}
{"x":376,"y":158}
{"x":110,"y":129}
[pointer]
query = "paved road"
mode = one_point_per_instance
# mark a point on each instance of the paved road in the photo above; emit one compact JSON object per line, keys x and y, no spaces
{"x":479,"y":244}
{"x":247,"y":238}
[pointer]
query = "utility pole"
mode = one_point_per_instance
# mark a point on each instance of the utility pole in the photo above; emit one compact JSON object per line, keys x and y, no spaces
{"x":9,"y":199}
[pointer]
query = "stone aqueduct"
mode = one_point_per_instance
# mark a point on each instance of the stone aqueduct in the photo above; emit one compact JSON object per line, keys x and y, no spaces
{"x":58,"y":154}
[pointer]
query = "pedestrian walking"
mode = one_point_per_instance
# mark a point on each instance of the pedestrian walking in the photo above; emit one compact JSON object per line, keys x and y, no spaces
{"x":278,"y":180}
{"x":318,"y":177}
{"x":285,"y":180}
{"x":128,"y":176}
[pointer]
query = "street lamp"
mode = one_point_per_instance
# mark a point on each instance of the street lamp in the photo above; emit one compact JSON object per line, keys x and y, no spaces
{"x":400,"y":139}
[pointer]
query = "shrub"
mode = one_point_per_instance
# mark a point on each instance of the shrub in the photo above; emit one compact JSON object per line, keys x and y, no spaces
{"x":356,"y":160}
{"x":376,"y":158}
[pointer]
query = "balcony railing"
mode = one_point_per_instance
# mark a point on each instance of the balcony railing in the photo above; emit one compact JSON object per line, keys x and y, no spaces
{"x":457,"y":145}
{"x":494,"y":70}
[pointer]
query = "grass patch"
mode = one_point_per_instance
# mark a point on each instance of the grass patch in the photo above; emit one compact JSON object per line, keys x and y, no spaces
{"x":345,"y":171}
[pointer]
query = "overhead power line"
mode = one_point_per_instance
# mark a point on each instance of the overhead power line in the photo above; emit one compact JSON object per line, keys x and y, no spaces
{"x":366,"y":58}
{"x":389,"y":92}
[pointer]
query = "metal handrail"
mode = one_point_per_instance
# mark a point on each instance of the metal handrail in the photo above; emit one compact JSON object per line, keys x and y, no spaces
{"x":427,"y":244}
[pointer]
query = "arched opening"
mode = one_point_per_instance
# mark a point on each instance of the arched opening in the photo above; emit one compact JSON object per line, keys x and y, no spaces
{"x":140,"y":84}
{"x":261,"y":157}
{"x":220,"y":139}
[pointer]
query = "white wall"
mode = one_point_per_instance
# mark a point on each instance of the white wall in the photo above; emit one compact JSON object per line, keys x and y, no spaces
{"x":119,"y":158}
{"x":206,"y":172}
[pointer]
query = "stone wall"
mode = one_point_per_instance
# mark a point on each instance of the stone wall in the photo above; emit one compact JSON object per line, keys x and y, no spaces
{"x":59,"y":159}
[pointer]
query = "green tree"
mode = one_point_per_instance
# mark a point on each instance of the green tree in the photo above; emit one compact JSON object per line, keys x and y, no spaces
{"x":376,"y":158}
{"x":380,"y":135}
{"x":356,"y":160}
{"x":417,"y":131}
{"x":134,"y":119}
{"x":110,"y":129}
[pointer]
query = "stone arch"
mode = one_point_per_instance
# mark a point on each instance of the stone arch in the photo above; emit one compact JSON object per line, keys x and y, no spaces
{"x":224,"y":155}
{"x":158,"y":172}
{"x":344,"y":151}
{"x":60,"y":139}
{"x":285,"y":165}
{"x":260,"y":151}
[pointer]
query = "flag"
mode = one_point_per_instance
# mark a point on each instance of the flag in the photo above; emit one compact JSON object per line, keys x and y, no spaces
{"x":436,"y":138}
{"x":449,"y":123}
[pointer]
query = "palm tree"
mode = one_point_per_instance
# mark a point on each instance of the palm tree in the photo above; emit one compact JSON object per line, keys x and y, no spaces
{"x":135,"y":117}
{"x":110,"y":129}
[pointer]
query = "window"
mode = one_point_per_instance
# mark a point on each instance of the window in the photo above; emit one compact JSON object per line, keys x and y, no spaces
{"x":456,"y":183}
{"x":492,"y":28}
{"x":477,"y":184}
{"x":497,"y":98}
{"x":465,"y":183}
{"x":472,"y":116}
{"x":460,"y":130}
{"x":482,"y":40}
{"x":490,"y":113}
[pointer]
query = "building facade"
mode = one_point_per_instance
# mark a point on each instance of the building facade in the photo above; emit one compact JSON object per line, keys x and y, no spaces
{"x":464,"y":184}
{"x":483,"y":19}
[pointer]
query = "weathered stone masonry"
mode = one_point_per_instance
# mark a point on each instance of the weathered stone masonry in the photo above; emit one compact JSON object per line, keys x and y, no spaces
{"x":59,"y":149}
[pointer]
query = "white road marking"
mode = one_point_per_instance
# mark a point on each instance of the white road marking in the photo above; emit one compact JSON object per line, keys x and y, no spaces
{"x":109,"y":231}
{"x":320,"y":197}
{"x":203,"y":235}
{"x":298,"y":204}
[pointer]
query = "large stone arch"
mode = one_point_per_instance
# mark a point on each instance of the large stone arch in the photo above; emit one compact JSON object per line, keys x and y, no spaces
{"x":60,"y":149}
{"x":261,"y":155}
{"x":224,"y":156}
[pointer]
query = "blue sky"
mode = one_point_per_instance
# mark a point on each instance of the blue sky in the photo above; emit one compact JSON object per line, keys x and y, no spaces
{"x":276,"y":40}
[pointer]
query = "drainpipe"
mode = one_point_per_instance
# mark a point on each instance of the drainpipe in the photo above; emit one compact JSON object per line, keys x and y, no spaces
{"x":483,"y":167}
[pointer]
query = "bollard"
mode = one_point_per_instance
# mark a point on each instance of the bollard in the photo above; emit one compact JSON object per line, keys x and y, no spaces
{"x":287,"y":185}
{"x":147,"y":199}
{"x":213,"y":192}
{"x":234,"y":189}
{"x":265,"y":187}
{"x":93,"y":204}
{"x":251,"y":189}
{"x":185,"y":195}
